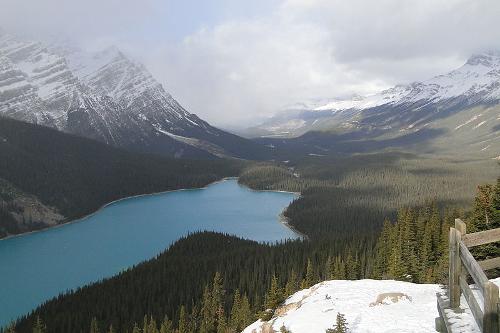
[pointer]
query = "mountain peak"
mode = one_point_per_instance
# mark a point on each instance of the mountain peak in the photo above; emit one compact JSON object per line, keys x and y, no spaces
{"x":489,"y":58}
{"x":107,"y":96}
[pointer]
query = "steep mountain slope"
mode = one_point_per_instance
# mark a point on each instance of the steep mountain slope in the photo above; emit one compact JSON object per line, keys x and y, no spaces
{"x":49,"y":177}
{"x":108,"y":97}
{"x":445,"y":107}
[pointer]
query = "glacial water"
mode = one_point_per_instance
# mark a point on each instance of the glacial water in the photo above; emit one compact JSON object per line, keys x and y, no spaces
{"x":38,"y":266}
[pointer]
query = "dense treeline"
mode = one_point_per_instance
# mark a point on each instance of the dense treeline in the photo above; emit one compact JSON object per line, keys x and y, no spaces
{"x":341,"y":194}
{"x":415,"y":247}
{"x":77,"y":175}
{"x":243,"y":280}
{"x":180,"y":276}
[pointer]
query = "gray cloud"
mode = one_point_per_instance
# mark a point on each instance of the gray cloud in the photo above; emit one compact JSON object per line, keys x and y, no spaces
{"x":239,"y":69}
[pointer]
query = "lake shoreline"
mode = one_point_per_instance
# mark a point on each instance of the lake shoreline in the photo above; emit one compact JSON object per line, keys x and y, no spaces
{"x":41,"y":266}
{"x":284,"y":220}
{"x":81,"y":219}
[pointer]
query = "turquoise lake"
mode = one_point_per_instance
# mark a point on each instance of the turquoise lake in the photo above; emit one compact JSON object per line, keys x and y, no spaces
{"x":38,"y":266}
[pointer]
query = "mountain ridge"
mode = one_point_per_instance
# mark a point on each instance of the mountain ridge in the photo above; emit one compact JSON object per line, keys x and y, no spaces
{"x":442,"y":115}
{"x":107,"y":97}
{"x":477,"y":81}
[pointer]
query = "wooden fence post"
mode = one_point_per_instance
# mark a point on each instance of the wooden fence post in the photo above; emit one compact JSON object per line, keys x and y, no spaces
{"x":461,"y":226}
{"x":490,"y":319}
{"x":454,"y":269}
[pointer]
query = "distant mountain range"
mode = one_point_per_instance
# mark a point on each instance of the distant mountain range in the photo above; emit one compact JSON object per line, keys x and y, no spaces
{"x":455,"y":109}
{"x":108,"y":97}
{"x":111,"y":98}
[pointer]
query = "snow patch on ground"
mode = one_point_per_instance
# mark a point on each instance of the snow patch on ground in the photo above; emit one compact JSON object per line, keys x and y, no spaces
{"x":468,"y":121}
{"x":480,"y":124}
{"x":370,"y":306}
{"x":315,"y":309}
{"x":205,"y":145}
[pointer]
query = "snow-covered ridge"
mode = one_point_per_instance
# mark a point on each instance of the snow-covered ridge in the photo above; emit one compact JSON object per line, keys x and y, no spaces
{"x":480,"y":75}
{"x":370,"y":306}
{"x":403,"y":109}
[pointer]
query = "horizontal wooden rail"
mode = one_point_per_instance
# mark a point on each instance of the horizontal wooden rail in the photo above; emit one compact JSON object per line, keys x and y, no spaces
{"x":488,"y":264}
{"x":481,"y":237}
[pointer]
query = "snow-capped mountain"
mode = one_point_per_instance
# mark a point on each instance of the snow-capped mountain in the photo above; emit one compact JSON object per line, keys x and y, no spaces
{"x":455,"y":112}
{"x":477,"y":80}
{"x":105,"y":96}
{"x":403,"y":107}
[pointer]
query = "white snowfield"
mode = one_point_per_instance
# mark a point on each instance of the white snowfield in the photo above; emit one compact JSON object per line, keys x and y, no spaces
{"x":315,"y":309}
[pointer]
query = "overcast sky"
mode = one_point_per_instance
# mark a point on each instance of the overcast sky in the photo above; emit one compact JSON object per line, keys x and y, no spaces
{"x":234,"y":62}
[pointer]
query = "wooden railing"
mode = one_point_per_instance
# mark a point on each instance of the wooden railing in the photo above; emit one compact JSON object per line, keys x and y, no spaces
{"x":462,"y":263}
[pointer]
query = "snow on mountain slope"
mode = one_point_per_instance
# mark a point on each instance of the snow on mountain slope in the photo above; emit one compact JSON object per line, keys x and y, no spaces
{"x":315,"y":309}
{"x":476,"y":82}
{"x":478,"y":78}
{"x":105,"y":96}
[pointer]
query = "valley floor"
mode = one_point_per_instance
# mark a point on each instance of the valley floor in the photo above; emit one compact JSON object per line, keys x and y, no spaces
{"x":315,"y":309}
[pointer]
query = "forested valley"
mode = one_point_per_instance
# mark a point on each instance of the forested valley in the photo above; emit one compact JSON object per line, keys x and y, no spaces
{"x":75,"y":176}
{"x":363,"y":217}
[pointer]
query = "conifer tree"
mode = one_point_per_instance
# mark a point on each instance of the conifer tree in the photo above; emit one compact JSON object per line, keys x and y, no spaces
{"x":236,"y":315}
{"x":329,"y":269}
{"x":94,"y":327}
{"x":195,"y":317}
{"x":397,"y":267}
{"x":207,"y":314}
{"x":339,"y":269}
{"x":352,"y":267}
{"x":152,"y":326}
{"x":166,"y":326}
{"x":283,"y":329}
{"x":410,"y":245}
{"x":183,"y":321}
{"x":221,"y":321}
{"x":10,"y":329}
{"x":292,"y":283}
{"x":483,"y":204}
{"x":274,"y":296}
{"x":39,"y":326}
{"x":341,"y":326}
{"x":425,"y":250}
{"x":145,"y":323}
{"x":495,"y":205}
{"x":246,"y":314}
{"x":382,"y":251}
{"x":309,"y":278}
{"x":218,"y":298}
